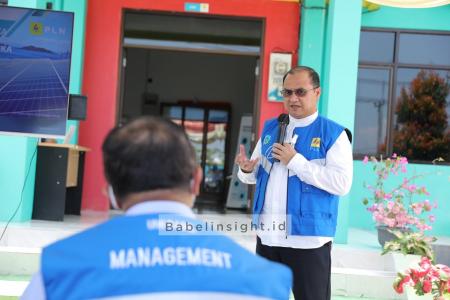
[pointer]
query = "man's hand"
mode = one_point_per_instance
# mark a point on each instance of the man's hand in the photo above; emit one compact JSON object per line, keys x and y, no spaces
{"x":284,"y":153}
{"x":243,"y":162}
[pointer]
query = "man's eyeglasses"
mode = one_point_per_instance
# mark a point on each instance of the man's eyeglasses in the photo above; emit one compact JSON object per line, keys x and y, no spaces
{"x":301,"y":92}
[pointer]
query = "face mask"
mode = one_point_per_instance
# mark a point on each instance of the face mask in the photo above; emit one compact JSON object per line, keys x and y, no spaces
{"x":112,"y":198}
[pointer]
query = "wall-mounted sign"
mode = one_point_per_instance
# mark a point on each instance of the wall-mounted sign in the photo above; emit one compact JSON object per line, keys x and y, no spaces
{"x":196,"y":7}
{"x":280,"y":63}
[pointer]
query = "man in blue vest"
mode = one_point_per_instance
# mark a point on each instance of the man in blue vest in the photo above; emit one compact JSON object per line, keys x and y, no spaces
{"x":298,"y":184}
{"x":151,"y":168}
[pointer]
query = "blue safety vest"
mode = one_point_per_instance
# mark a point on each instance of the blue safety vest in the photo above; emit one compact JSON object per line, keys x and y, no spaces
{"x":311,"y":211}
{"x":144,"y":256}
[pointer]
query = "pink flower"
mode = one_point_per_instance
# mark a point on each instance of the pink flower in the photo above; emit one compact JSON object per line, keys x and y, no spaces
{"x":390,"y":205}
{"x":417,"y":208}
{"x":372,"y":208}
{"x":424,"y":190}
{"x":403,"y":160}
{"x":399,"y":288}
{"x":389,"y":222}
{"x":378,"y":193}
{"x":365,"y":160}
{"x":425,"y":279}
{"x":378,"y":218}
{"x":395,"y":207}
{"x":422,"y":226}
{"x":426,"y":286}
{"x":427,"y":205}
{"x":412,"y":188}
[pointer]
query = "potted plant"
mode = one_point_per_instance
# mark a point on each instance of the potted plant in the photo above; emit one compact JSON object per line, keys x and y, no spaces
{"x":408,"y":248}
{"x":426,"y":281}
{"x":395,"y":207}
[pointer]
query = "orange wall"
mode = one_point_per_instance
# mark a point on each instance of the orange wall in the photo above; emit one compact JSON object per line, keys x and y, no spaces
{"x":101,"y":69}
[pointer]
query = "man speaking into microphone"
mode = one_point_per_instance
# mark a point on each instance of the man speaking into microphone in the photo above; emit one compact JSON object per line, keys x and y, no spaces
{"x":301,"y":165}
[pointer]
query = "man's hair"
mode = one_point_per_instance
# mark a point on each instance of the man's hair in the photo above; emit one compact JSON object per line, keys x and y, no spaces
{"x":147,"y":154}
{"x":313,"y":76}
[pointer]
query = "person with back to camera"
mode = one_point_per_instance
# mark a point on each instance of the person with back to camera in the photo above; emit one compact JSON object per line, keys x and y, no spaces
{"x":298,"y":180}
{"x":153,"y":176}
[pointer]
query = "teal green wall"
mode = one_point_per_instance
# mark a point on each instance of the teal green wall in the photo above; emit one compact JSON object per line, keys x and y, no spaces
{"x":437,"y":182}
{"x":339,"y":77}
{"x":15,"y":156}
{"x":22,"y":3}
{"x":312,"y":39}
{"x":16,"y":152}
{"x":437,"y":18}
{"x":340,"y":68}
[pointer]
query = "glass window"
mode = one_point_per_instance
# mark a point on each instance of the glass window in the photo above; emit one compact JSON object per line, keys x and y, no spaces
{"x":427,"y":49}
{"x":372,"y":98}
{"x":194,"y":126}
{"x":173,"y":112}
{"x":376,"y":47}
{"x":422,"y":110}
{"x":215,"y":151}
{"x":407,"y":112}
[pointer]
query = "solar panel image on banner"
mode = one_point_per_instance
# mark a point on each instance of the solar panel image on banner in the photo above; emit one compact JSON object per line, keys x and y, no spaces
{"x":35,"y":50}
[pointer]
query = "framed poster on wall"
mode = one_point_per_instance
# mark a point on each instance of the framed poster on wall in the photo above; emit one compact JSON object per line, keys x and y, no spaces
{"x":280,"y":63}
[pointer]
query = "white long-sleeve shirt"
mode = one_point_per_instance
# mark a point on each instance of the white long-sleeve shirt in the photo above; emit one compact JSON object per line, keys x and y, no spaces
{"x":334,"y":175}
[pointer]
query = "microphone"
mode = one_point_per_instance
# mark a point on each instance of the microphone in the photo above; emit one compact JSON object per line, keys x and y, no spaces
{"x":283,"y":121}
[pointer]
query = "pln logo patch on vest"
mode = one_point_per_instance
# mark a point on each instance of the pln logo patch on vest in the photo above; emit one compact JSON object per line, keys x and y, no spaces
{"x":36,"y":28}
{"x":315,"y":144}
{"x":267,"y":139}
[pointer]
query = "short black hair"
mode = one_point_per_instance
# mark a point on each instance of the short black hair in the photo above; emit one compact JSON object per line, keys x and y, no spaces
{"x":315,"y":79}
{"x":149,"y":153}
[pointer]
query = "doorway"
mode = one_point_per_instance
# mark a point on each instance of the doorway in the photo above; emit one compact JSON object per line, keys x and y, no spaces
{"x":204,"y":68}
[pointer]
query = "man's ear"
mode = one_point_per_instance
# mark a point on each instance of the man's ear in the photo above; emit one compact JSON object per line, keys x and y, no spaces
{"x":318,"y":91}
{"x":196,"y":181}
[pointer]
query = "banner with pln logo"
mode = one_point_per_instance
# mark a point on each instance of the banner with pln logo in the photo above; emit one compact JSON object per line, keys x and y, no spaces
{"x":36,"y":28}
{"x":35,"y":55}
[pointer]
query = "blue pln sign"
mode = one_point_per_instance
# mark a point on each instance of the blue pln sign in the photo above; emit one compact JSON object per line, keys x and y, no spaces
{"x":196,"y":7}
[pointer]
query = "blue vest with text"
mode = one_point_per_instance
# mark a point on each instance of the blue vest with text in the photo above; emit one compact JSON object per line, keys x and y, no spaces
{"x":311,"y":211}
{"x":146,"y":256}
